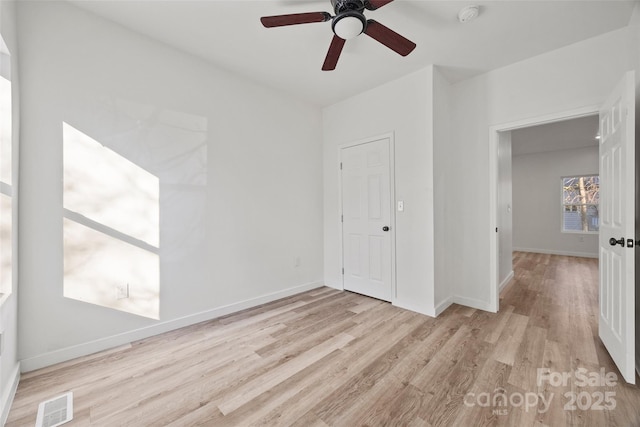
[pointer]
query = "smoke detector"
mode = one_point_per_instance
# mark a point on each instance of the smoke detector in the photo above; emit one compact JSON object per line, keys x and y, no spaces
{"x":468,"y":13}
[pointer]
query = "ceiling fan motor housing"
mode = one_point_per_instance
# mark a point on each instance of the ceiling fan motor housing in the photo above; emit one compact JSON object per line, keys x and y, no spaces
{"x":340,"y":6}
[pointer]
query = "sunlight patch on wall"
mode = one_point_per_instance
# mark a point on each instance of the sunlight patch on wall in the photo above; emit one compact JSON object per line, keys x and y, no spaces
{"x":109,"y":189}
{"x":106,"y":271}
{"x":111,"y":228}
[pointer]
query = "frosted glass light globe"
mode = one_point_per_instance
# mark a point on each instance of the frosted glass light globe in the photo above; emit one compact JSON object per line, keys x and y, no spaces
{"x":348,"y":27}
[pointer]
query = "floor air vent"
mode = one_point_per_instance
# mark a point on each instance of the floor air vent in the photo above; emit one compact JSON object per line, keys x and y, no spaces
{"x":56,"y":411}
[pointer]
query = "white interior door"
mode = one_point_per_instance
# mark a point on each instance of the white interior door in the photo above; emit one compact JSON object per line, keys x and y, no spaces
{"x":617,"y":203}
{"x":366,"y":213}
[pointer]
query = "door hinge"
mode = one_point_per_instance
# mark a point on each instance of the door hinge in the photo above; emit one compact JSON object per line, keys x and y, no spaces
{"x":496,"y":229}
{"x":341,"y":218}
{"x":343,"y":271}
{"x":340,"y":165}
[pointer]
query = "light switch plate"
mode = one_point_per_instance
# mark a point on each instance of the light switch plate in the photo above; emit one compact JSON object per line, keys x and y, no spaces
{"x":400,"y":206}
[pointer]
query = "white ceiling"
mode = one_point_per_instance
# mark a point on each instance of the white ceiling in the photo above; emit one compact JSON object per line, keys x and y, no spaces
{"x":229,"y":34}
{"x":564,"y":135}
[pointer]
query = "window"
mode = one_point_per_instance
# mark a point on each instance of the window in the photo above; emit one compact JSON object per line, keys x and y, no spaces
{"x":580,"y":198}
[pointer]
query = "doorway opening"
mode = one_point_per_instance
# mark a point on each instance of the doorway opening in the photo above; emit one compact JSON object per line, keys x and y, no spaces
{"x":501,"y":182}
{"x":548,"y":191}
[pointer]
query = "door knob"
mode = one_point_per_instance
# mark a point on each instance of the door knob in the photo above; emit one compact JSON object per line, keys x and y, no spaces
{"x":385,"y":228}
{"x":613,"y":241}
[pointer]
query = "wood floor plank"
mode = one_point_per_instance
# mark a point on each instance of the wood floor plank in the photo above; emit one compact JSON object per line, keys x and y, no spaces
{"x":430,"y":377}
{"x":582,"y":340}
{"x":518,"y":413}
{"x":365,"y":305}
{"x":399,"y":406}
{"x":444,"y":406}
{"x":389,"y":374}
{"x":346,"y":396}
{"x":332,"y":358}
{"x":510,"y":339}
{"x":528,"y":358}
{"x":257,"y":410}
{"x":503,"y":315}
{"x":540,"y":314}
{"x":319,"y":329}
{"x":492,"y":378}
{"x":277,"y":375}
{"x":557,"y":360}
{"x":356,"y":356}
{"x":207,"y":414}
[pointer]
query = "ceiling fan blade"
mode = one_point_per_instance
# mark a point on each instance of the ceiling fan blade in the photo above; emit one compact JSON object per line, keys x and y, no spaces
{"x":333,"y":54}
{"x":389,"y":38}
{"x":376,"y":4}
{"x":294,"y":19}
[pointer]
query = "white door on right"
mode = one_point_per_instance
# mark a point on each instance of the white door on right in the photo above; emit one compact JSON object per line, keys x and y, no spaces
{"x":617,"y":215}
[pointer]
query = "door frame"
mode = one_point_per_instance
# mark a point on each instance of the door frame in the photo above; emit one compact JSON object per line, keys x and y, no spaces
{"x":494,"y":130}
{"x":392,"y":199}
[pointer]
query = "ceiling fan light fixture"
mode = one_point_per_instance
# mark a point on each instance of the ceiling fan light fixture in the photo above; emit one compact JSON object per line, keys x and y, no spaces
{"x":348,"y":25}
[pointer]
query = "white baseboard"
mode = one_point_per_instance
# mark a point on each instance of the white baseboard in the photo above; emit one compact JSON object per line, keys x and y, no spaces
{"x":505,"y":281}
{"x":473,"y":303}
{"x":85,"y":349}
{"x":555,"y":252}
{"x":335,"y":286}
{"x":443,"y":306}
{"x":9,"y":393}
{"x":415,"y":307}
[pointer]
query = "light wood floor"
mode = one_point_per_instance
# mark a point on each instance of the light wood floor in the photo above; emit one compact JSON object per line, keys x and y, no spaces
{"x":329,"y":358}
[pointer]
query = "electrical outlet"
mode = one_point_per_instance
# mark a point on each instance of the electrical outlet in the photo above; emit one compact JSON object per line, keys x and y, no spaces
{"x":122,"y":291}
{"x":296,"y":261}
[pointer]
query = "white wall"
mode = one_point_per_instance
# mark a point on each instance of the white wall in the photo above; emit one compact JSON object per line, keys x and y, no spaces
{"x":505,"y":209}
{"x":234,"y":215}
{"x":573,"y":77}
{"x":443,"y":292}
{"x":404,"y":107}
{"x":537,"y":216}
{"x":9,"y":362}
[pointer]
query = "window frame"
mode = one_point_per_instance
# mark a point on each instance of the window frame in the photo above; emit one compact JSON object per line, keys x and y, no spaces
{"x":563,"y":205}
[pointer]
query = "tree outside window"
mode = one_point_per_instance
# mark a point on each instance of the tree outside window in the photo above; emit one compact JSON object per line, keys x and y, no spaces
{"x":580,"y":199}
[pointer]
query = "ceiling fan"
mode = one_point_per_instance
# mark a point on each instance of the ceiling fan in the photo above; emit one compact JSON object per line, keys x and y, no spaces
{"x":349,"y":22}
